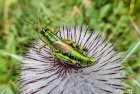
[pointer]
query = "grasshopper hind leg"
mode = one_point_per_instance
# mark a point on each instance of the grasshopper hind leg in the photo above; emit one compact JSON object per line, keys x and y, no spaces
{"x":73,"y":44}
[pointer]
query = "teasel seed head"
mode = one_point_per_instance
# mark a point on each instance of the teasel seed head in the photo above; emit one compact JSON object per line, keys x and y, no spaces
{"x":39,"y":74}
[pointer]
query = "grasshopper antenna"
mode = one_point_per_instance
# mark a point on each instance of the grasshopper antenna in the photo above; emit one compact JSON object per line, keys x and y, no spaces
{"x":38,"y":19}
{"x":34,"y":25}
{"x":28,"y":22}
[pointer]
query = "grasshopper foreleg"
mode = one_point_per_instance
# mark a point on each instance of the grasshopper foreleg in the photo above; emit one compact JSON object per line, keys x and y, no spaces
{"x":52,"y":51}
{"x":42,"y":46}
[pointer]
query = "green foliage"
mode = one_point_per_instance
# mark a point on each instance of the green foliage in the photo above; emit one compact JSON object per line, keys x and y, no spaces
{"x":116,"y":17}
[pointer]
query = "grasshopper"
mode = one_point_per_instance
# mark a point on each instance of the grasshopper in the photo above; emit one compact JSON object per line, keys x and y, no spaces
{"x":65,"y":50}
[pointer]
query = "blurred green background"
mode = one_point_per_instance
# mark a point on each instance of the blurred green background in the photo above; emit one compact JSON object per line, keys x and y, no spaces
{"x":118,"y":18}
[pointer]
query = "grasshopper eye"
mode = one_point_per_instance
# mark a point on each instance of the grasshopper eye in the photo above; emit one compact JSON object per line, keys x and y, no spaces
{"x":42,"y":31}
{"x":46,"y":28}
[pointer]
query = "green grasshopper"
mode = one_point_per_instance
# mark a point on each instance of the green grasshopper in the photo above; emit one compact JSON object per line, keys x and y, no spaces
{"x":65,"y":50}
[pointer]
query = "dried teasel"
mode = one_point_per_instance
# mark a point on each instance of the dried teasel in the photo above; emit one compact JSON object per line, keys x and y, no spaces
{"x":39,"y":75}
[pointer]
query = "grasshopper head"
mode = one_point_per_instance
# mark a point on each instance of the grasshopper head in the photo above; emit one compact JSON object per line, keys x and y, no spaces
{"x":43,"y":30}
{"x":47,"y":35}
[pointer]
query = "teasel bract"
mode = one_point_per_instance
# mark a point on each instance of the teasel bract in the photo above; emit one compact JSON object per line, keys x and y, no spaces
{"x":39,"y":74}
